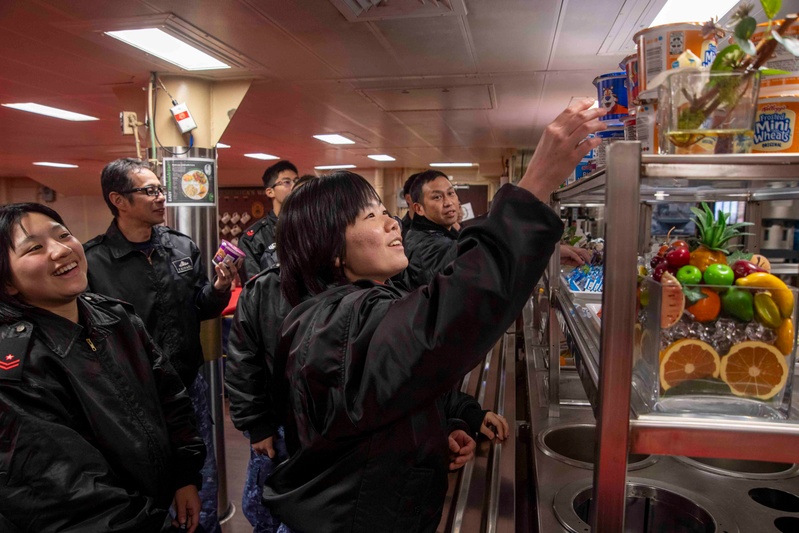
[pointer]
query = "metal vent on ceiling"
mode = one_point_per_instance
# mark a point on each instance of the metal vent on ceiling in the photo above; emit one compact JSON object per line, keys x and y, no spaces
{"x":455,"y":98}
{"x":369,"y":10}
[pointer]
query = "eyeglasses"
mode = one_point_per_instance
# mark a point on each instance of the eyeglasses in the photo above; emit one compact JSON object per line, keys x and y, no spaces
{"x":284,"y":183}
{"x":152,"y":190}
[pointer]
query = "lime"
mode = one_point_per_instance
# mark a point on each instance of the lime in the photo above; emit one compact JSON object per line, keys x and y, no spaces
{"x":689,"y":275}
{"x":719,"y":274}
{"x":738,"y":303}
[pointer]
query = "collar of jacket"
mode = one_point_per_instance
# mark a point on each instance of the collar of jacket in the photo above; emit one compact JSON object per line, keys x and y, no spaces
{"x":59,"y":334}
{"x":120,"y":246}
{"x":271,"y":216}
{"x":422,"y":223}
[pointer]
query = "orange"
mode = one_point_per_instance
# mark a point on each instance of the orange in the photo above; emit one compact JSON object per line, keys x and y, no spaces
{"x":687,"y":359}
{"x":785,"y":336}
{"x":754,"y":369}
{"x":706,"y":309}
{"x":673,"y":301}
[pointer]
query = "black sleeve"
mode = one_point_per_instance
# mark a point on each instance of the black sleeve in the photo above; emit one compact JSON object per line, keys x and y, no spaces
{"x":181,"y":422}
{"x":253,"y":250}
{"x":464,"y":407}
{"x":251,"y":351}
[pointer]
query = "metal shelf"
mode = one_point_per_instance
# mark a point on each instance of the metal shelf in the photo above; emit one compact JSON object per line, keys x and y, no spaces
{"x":628,"y":180}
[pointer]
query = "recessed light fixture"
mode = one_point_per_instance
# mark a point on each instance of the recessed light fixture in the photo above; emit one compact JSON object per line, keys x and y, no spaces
{"x":451,"y":164}
{"x":381,"y":157}
{"x":265,"y":157}
{"x":222,"y":145}
{"x":333,"y":167}
{"x":50,"y":112}
{"x":691,"y":10}
{"x":334,"y":138}
{"x":56,"y":165}
{"x":164,"y":46}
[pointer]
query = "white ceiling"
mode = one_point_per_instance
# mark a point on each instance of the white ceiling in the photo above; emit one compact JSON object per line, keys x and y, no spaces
{"x":466,"y":88}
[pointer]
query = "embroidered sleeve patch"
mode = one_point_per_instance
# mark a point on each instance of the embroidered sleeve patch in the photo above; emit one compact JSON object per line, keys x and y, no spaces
{"x":13,"y":349}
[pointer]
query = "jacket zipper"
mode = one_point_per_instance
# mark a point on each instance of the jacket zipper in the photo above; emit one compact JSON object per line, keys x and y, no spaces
{"x":91,"y":344}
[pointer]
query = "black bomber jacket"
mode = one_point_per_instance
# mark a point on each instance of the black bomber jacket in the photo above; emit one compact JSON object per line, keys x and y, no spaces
{"x":169,"y":291}
{"x":429,"y":248}
{"x":258,"y":243}
{"x":96,"y":429}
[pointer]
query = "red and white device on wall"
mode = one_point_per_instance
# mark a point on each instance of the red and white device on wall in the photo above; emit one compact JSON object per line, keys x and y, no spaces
{"x":183,"y":118}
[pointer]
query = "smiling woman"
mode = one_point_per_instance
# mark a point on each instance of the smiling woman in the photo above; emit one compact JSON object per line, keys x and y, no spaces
{"x":73,"y":364}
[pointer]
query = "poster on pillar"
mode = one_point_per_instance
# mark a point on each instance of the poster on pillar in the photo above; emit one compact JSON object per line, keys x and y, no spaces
{"x":190,"y":181}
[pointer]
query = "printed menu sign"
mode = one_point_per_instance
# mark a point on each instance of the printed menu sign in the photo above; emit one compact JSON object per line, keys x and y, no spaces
{"x":190,"y":181}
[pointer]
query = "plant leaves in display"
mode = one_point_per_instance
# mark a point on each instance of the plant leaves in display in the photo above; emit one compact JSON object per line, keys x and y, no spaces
{"x":693,"y":294}
{"x":727,"y":58}
{"x":772,"y":72}
{"x":747,"y":46}
{"x":738,"y":255}
{"x":745,"y":29}
{"x":791,"y":44}
{"x":771,"y":7}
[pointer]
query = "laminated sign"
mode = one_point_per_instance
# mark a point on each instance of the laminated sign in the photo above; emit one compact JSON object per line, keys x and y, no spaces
{"x":190,"y":181}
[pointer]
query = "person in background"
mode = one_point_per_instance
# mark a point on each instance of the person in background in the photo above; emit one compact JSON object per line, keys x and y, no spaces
{"x":406,"y":193}
{"x":258,"y":242}
{"x":361,"y":367}
{"x":430,"y":243}
{"x":248,"y":375}
{"x":97,"y":432}
{"x":161,"y":273}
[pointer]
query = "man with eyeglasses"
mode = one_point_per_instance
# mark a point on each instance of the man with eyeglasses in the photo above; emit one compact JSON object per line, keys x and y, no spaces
{"x":258,"y":242}
{"x":161,"y":273}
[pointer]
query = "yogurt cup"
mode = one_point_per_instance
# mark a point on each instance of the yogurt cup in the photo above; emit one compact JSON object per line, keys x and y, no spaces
{"x":775,"y":125}
{"x":227,"y":250}
{"x":659,"y":47}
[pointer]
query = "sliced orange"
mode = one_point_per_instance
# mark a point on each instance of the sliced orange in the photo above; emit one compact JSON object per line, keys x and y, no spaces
{"x":672,"y":301}
{"x":687,"y":359}
{"x":754,"y":369}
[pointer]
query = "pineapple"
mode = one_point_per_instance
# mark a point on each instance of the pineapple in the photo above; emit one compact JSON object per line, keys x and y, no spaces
{"x":713,"y":237}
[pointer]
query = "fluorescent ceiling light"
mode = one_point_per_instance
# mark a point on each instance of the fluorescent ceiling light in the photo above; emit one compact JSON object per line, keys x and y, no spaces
{"x":265,"y":157}
{"x":51,"y":112}
{"x":451,"y":164}
{"x":170,"y":49}
{"x":222,"y":145}
{"x":56,"y":165}
{"x":334,"y":138}
{"x":381,"y":157}
{"x":692,"y":11}
{"x":333,"y":167}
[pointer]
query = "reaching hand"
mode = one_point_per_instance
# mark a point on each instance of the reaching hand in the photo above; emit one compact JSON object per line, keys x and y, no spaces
{"x":561,"y":147}
{"x":264,"y":447}
{"x":461,"y":449}
{"x":187,"y":509}
{"x":571,"y":255}
{"x":495,"y":426}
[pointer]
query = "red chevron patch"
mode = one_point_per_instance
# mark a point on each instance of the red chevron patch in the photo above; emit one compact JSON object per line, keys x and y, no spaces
{"x":9,"y":362}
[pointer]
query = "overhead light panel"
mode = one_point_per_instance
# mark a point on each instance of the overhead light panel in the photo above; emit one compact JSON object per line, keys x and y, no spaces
{"x":51,"y":112}
{"x":692,"y":11}
{"x":56,"y":165}
{"x":222,"y":145}
{"x":381,"y":157}
{"x":265,"y":157}
{"x":164,"y":46}
{"x":333,"y":167}
{"x":334,"y":138}
{"x":451,"y":164}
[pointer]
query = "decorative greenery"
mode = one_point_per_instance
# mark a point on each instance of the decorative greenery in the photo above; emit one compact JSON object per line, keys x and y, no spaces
{"x":715,"y":234}
{"x":742,"y":56}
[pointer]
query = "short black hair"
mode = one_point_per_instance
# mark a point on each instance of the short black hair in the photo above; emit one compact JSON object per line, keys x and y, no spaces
{"x":116,"y":178}
{"x":406,"y":187}
{"x":424,"y":177}
{"x":310,"y":232}
{"x":302,"y":180}
{"x":10,"y":216}
{"x":270,"y":174}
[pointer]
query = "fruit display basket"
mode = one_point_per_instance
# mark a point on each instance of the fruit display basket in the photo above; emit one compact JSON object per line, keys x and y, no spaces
{"x":716,"y":349}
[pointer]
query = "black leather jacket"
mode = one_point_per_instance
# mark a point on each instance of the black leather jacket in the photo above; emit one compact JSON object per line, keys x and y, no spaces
{"x":96,"y":429}
{"x":172,"y":294}
{"x":429,"y":248}
{"x":365,"y":366}
{"x":258,"y":242}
